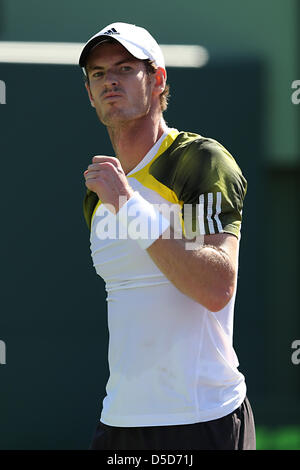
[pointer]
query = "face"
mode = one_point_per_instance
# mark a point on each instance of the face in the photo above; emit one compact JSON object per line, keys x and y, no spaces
{"x":119,"y":88}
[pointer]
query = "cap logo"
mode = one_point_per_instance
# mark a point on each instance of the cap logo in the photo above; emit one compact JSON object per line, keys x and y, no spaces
{"x":111,"y":31}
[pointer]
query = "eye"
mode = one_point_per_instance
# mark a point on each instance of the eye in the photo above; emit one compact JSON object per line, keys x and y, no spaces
{"x":125,"y":68}
{"x":98,"y":74}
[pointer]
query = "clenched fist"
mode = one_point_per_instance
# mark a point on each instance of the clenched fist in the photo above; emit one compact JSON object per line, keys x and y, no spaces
{"x":106,"y":178}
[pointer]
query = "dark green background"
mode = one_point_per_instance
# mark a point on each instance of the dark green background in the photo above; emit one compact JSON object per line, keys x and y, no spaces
{"x":53,"y":312}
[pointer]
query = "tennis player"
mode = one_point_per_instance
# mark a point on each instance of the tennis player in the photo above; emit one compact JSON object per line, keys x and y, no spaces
{"x":165,"y":217}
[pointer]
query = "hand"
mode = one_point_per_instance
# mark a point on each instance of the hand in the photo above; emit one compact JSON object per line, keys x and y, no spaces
{"x":106,"y":178}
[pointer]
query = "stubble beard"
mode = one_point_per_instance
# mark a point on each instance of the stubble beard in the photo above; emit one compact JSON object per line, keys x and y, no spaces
{"x":112,"y":116}
{"x":116,"y":117}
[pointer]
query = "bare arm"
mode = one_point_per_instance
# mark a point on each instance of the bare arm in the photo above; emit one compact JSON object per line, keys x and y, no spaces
{"x":207,"y":275}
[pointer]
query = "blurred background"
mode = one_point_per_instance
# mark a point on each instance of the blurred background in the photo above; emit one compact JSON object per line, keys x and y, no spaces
{"x":53,"y":328}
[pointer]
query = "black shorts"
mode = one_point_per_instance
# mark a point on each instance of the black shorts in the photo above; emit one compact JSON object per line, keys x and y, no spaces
{"x":235,"y":431}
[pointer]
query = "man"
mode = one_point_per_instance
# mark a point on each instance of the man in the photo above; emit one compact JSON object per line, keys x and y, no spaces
{"x":165,"y":218}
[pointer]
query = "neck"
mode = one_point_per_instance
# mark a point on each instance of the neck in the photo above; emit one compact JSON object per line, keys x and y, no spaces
{"x":133,"y":140}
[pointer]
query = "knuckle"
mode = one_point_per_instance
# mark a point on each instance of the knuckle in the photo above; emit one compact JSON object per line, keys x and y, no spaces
{"x":105,"y":158}
{"x":109,"y":164}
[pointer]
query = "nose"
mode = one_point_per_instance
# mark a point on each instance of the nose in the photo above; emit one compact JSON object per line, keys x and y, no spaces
{"x":110,"y":79}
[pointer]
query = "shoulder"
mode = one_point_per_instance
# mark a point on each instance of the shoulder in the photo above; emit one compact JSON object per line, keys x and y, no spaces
{"x":188,"y":152}
{"x":202,"y":162}
{"x":204,"y":153}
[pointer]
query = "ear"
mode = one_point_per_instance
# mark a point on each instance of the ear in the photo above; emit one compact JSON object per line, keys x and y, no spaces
{"x":90,"y":94}
{"x":160,"y":80}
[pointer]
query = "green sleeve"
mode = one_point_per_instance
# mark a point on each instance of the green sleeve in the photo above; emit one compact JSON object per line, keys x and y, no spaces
{"x":212,"y":188}
{"x":89,"y":204}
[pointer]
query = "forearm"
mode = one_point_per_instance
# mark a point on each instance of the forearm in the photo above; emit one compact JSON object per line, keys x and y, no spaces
{"x":207,"y":275}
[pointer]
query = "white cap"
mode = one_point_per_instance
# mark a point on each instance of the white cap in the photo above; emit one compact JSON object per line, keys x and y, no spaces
{"x":138,"y":41}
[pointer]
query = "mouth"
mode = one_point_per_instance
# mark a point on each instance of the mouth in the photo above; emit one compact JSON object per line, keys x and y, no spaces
{"x":111,"y":96}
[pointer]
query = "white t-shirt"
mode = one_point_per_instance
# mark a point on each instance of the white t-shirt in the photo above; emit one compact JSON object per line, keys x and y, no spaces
{"x":171,"y":360}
